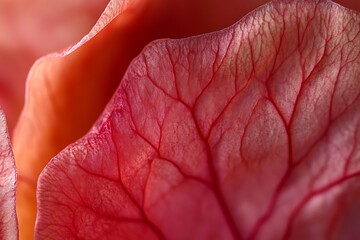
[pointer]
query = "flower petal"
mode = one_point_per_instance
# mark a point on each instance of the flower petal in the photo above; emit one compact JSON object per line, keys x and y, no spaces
{"x":30,"y":29}
{"x":67,"y":91}
{"x":8,"y":223}
{"x":252,"y":132}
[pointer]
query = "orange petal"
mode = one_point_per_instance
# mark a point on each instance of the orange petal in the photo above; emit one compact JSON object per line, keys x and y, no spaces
{"x":30,"y":29}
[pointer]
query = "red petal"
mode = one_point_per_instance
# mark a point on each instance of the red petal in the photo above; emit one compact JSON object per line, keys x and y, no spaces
{"x":249,"y":133}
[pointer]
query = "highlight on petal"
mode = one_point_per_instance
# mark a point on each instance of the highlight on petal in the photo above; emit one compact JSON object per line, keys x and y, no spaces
{"x":8,"y":222}
{"x":30,"y":29}
{"x":67,"y":91}
{"x":252,"y":132}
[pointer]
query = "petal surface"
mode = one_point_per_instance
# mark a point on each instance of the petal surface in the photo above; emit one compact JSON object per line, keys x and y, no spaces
{"x":8,"y":222}
{"x":67,"y":91}
{"x":249,"y":133}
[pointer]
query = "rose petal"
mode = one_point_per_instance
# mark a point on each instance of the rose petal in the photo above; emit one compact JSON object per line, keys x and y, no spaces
{"x":249,"y":133}
{"x":8,"y":223}
{"x":66,"y":92}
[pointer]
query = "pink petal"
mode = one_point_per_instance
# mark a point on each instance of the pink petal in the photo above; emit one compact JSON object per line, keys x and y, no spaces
{"x":249,"y":133}
{"x":66,"y":92}
{"x":8,"y":222}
